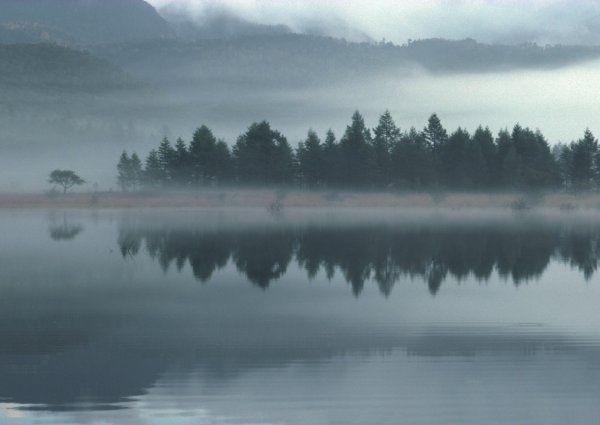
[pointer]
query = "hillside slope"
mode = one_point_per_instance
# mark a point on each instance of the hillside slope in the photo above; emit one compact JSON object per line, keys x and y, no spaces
{"x":48,"y":66}
{"x":86,"y":21}
{"x":301,"y":60}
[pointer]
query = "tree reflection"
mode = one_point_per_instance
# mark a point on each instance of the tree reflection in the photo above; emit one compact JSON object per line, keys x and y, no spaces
{"x":371,"y":253}
{"x":64,"y":231}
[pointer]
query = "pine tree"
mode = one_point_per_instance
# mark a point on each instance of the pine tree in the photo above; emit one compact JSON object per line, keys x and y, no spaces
{"x":412,"y":161}
{"x":181,"y":172}
{"x":485,"y":140}
{"x":263,"y":156}
{"x":124,"y":172}
{"x":310,"y":159}
{"x":209,"y":158}
{"x":135,"y":166}
{"x":453,"y":159}
{"x":563,"y":156}
{"x":222,"y":162}
{"x":129,"y":172}
{"x":507,"y":164}
{"x":166,"y":159}
{"x":511,"y":169}
{"x":331,"y":160}
{"x":537,"y":167}
{"x":386,"y":136}
{"x":436,"y":136}
{"x":153,"y":172}
{"x":584,"y":171}
{"x":357,"y":154}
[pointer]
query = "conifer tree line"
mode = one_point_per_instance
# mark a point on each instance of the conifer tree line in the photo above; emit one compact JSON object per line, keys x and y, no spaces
{"x":382,"y":157}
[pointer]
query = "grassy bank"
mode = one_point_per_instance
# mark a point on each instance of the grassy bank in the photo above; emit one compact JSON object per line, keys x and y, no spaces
{"x":272,"y":198}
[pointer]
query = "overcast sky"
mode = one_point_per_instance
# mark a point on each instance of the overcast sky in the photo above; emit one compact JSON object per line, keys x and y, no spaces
{"x":508,"y":21}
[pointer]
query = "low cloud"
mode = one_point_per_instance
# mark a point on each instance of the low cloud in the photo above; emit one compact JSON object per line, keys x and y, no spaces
{"x":492,"y":21}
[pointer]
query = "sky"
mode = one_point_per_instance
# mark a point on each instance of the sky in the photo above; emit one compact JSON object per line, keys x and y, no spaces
{"x":492,"y":21}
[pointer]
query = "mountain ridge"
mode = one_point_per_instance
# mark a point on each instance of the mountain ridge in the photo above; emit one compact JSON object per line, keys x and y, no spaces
{"x":86,"y":22}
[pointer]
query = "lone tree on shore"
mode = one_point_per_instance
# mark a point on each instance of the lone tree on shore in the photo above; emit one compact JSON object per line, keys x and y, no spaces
{"x":66,"y":179}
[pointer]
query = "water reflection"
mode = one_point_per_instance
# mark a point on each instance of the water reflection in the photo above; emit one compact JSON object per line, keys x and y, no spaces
{"x":519,"y":250}
{"x":94,"y":334}
{"x":63,"y":231}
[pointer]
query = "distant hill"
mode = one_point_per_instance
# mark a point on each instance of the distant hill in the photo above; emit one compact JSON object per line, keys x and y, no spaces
{"x":26,"y":32}
{"x":298,"y":60}
{"x":52,"y":67}
{"x":471,"y":56}
{"x":82,"y":21}
{"x":215,"y":23}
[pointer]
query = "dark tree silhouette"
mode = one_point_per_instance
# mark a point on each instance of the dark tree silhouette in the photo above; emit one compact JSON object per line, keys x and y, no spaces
{"x":263,"y":156}
{"x":166,"y":155}
{"x":310,"y":160}
{"x":331,"y":160}
{"x":153,"y":173}
{"x":65,"y":179}
{"x":181,"y":164}
{"x":387,"y":135}
{"x":209,"y":157}
{"x":412,"y":161}
{"x":584,"y":162}
{"x":356,"y":153}
{"x":129,"y":171}
{"x":428,"y":159}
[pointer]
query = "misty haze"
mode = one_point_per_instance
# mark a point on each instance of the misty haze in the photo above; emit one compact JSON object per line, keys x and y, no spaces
{"x":299,"y":212}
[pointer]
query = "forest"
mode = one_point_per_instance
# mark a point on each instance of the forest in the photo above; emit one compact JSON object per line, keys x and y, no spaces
{"x":384,"y":157}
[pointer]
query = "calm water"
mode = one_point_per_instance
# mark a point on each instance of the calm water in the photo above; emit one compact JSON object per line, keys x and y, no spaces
{"x":309,"y":317}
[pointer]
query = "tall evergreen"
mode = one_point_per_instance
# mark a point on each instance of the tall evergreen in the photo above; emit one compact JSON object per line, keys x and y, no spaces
{"x":180,"y":169}
{"x":584,"y":161}
{"x":435,"y":133}
{"x":484,"y":139}
{"x":508,"y":164}
{"x":331,"y":160}
{"x":123,"y":172}
{"x":310,"y":159}
{"x":263,"y":156}
{"x":538,"y":168}
{"x":356,"y":154}
{"x":386,"y":136}
{"x":153,"y":172}
{"x":202,"y":150}
{"x":222,"y":162}
{"x":166,"y":159}
{"x":563,"y":155}
{"x":209,"y":158}
{"x":412,"y":161}
{"x":436,"y":137}
{"x":136,"y":170}
{"x":454,"y":167}
{"x":129,"y":171}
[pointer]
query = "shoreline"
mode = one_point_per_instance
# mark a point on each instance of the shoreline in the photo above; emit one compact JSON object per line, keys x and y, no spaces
{"x":297,"y":198}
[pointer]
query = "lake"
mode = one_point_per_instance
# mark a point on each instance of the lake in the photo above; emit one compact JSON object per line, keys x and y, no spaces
{"x":315,"y":316}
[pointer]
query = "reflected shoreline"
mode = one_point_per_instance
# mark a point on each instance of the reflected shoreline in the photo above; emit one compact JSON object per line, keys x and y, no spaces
{"x":383,"y":248}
